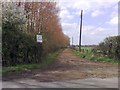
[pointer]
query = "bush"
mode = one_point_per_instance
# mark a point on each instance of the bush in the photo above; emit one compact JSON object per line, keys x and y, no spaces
{"x":110,"y":47}
{"x":17,"y":46}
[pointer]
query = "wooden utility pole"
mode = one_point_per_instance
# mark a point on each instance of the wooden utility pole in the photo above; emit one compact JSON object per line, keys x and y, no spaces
{"x":80,"y":31}
{"x":72,"y":41}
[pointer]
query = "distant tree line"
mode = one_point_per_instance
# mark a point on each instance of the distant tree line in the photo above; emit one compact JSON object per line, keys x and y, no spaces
{"x":21,"y":21}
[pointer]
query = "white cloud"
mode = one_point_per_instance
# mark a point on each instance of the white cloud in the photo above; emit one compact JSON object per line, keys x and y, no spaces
{"x":101,"y":29}
{"x":87,"y":5}
{"x":65,"y":15}
{"x":96,"y":35}
{"x":113,"y":17}
{"x":97,"y":13}
{"x":70,"y":28}
{"x":94,"y":6}
{"x":98,"y":30}
{"x":113,"y":21}
{"x":114,"y":14}
{"x":90,"y":34}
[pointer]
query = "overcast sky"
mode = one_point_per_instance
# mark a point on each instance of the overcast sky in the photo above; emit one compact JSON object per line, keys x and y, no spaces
{"x":100,"y":19}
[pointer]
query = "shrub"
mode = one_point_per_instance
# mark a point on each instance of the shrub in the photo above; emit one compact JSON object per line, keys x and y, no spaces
{"x":110,"y":47}
{"x":17,"y":46}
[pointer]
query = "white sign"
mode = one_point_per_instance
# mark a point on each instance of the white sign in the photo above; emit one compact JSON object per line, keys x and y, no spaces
{"x":39,"y":38}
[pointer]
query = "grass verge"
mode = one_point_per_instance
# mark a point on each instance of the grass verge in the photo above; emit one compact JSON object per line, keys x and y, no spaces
{"x":93,"y":57}
{"x":26,"y":67}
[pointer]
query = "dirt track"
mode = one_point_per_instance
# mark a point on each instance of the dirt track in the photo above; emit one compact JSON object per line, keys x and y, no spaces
{"x":68,"y":66}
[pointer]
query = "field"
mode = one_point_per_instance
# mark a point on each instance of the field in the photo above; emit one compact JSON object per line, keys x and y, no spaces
{"x":86,"y":52}
{"x":85,"y":48}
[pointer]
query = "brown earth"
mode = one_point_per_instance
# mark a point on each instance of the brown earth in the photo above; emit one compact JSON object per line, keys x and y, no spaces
{"x":68,"y":66}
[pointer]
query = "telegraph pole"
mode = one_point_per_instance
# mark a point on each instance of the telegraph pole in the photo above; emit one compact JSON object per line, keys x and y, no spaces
{"x":72,"y":41}
{"x":80,"y":31}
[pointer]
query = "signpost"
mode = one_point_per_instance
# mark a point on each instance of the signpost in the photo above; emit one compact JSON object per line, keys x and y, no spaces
{"x":40,"y":48}
{"x":39,"y":38}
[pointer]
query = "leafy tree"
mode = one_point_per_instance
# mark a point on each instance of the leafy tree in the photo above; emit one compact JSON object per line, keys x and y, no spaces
{"x":21,"y":22}
{"x":17,"y":46}
{"x":46,"y":20}
{"x":111,"y":47}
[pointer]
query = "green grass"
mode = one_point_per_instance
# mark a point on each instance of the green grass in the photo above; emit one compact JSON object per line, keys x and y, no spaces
{"x":85,"y":48}
{"x":93,"y":57}
{"x":24,"y":67}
